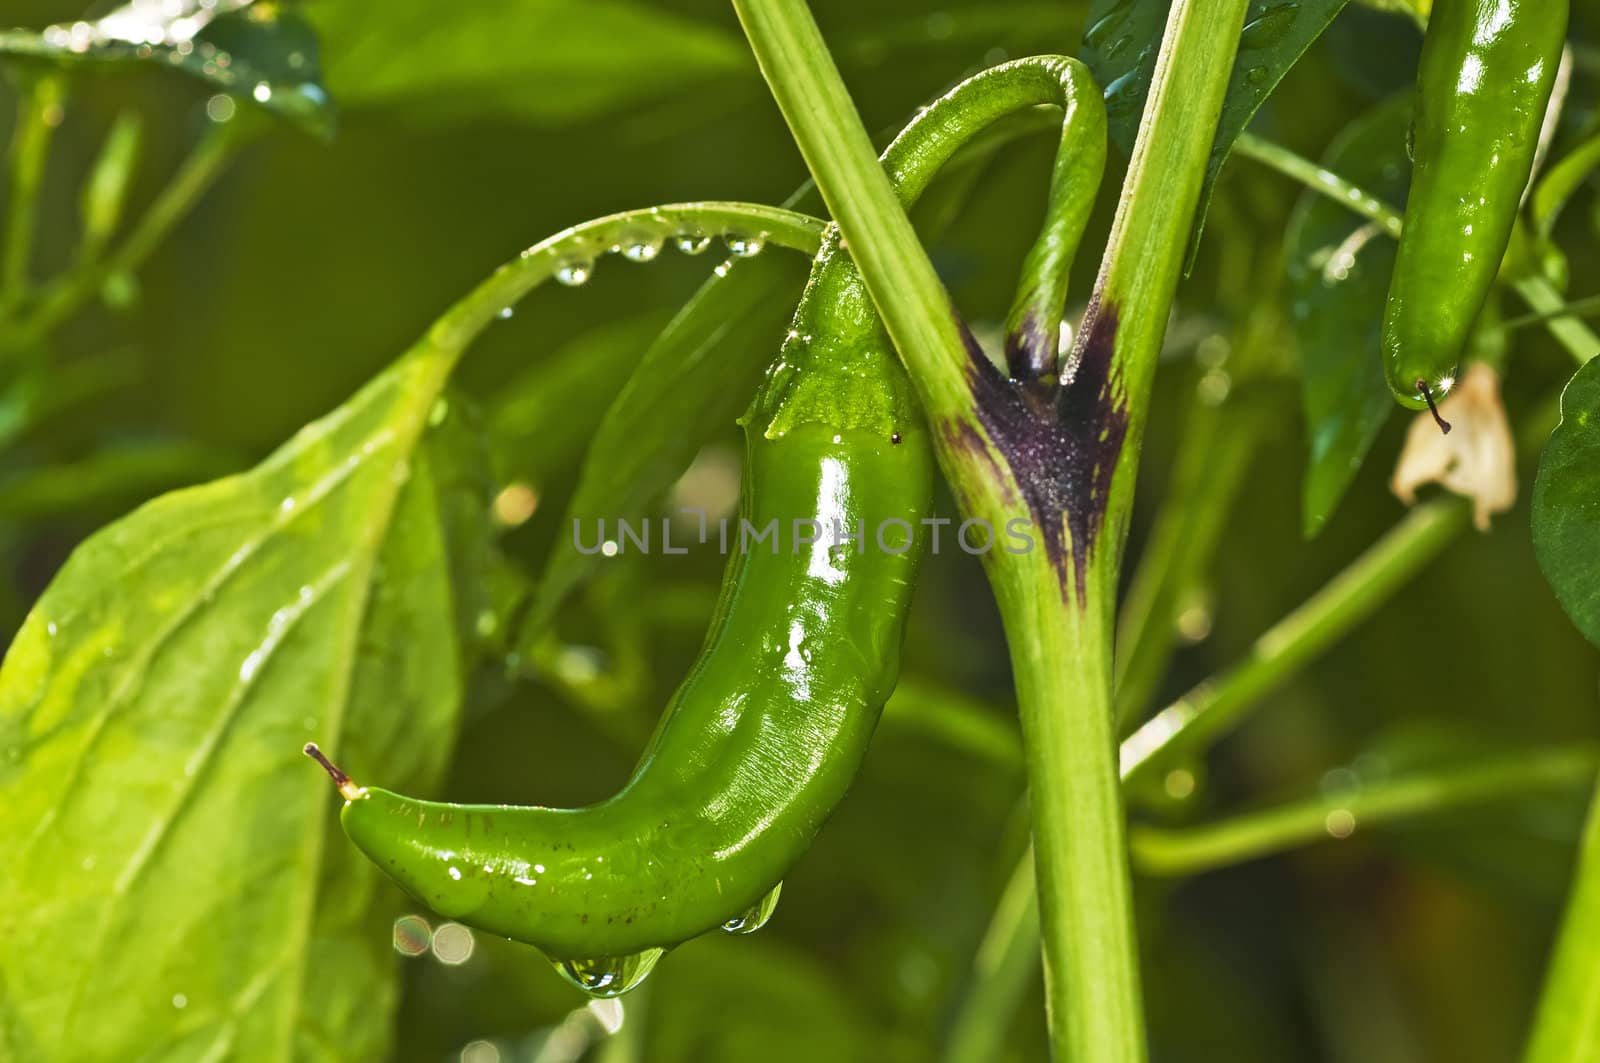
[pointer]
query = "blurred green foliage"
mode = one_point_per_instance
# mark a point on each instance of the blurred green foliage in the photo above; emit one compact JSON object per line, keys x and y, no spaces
{"x":468,"y":131}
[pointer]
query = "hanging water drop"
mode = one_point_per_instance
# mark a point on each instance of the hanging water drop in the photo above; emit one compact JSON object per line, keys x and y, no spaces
{"x":692,"y":243}
{"x":610,"y":976}
{"x":756,"y":916}
{"x":744,"y":246}
{"x":506,"y":312}
{"x":486,"y":624}
{"x":573,"y":274}
{"x":641,"y":250}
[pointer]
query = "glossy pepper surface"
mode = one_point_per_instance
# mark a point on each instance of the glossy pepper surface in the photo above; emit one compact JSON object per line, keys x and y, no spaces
{"x":1482,"y":88}
{"x":766,"y":733}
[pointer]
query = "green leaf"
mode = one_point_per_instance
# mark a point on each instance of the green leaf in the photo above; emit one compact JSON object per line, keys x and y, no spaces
{"x":1560,"y":182}
{"x":175,"y":884}
{"x":1416,"y":10}
{"x":540,"y":61}
{"x":254,"y":51}
{"x":1566,"y":503}
{"x":542,"y":419}
{"x":694,"y":380}
{"x":1121,"y":41}
{"x":1339,"y":265}
{"x":114,"y":475}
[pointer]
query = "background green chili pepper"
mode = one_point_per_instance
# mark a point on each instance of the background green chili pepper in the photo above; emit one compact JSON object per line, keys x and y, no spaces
{"x":766,"y":733}
{"x":1483,"y":85}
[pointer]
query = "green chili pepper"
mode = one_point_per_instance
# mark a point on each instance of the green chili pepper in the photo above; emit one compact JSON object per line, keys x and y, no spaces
{"x":1483,"y":86}
{"x":766,"y":733}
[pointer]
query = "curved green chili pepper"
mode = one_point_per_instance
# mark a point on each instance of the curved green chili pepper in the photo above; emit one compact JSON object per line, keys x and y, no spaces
{"x":1483,"y":85}
{"x":766,"y":733}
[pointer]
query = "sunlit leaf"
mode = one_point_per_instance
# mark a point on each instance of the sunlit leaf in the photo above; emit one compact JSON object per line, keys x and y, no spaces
{"x":1339,"y":265}
{"x":259,"y":51}
{"x":543,"y":61}
{"x":1122,"y":37}
{"x":1566,"y":503}
{"x":175,"y":885}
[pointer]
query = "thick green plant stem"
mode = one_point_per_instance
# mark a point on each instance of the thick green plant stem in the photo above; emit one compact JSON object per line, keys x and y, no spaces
{"x":38,"y":113}
{"x":1050,"y":614}
{"x":1566,"y":1026}
{"x":1192,"y":850}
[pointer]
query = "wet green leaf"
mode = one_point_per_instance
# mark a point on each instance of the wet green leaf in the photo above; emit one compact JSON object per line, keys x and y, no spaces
{"x":258,"y":52}
{"x":540,"y":61}
{"x":694,"y":380}
{"x":1566,"y":503}
{"x":177,"y":886}
{"x":1339,"y":265}
{"x":1122,"y":38}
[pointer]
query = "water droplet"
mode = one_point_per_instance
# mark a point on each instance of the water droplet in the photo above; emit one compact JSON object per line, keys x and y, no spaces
{"x":247,"y":670}
{"x":412,"y":935}
{"x":740,"y":246}
{"x":262,"y":92}
{"x":180,"y":1001}
{"x":506,"y":312}
{"x":757,"y":915}
{"x":641,"y":250}
{"x":220,"y":108}
{"x":453,"y":944}
{"x":574,"y":273}
{"x":50,"y":628}
{"x":692,"y":243}
{"x":1341,"y":823}
{"x":610,"y":976}
{"x":1268,"y":29}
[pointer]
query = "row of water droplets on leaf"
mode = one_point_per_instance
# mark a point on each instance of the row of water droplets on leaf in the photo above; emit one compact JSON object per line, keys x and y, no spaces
{"x":611,"y":976}
{"x":575,"y":271}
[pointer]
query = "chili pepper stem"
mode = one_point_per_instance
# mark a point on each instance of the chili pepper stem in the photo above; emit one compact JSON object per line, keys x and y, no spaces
{"x":347,"y":786}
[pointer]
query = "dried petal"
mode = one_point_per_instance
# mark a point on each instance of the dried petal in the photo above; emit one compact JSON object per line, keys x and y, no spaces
{"x":1476,"y":460}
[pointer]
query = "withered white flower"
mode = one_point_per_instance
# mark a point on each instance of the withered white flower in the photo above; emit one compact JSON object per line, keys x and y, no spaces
{"x":1475,"y":460}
